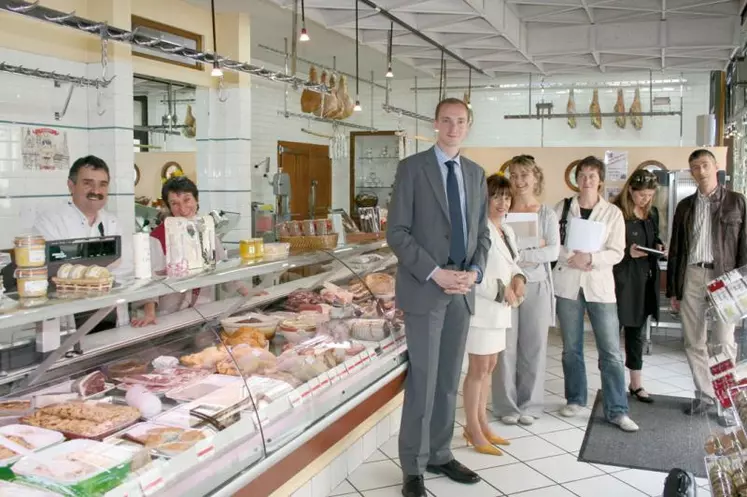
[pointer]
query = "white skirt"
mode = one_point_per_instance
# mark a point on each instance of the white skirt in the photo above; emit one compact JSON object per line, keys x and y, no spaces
{"x":485,"y":341}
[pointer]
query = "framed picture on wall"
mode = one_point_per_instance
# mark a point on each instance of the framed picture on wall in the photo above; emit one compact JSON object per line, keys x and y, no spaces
{"x":165,"y":32}
{"x":169,"y":169}
{"x":503,"y":171}
{"x":652,"y":165}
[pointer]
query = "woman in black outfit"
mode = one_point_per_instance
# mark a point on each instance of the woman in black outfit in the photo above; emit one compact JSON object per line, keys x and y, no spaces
{"x":637,"y":275}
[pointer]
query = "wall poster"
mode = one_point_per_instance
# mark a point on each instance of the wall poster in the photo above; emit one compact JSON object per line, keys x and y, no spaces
{"x":616,"y":164}
{"x":45,"y":149}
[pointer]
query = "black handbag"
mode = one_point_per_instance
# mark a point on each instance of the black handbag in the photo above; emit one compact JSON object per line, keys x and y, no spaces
{"x":680,"y":483}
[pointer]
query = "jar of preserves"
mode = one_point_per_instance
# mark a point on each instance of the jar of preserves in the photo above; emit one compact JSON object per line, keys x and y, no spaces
{"x":32,"y":282}
{"x":30,"y":251}
{"x":247,"y":250}
{"x":259,"y":248}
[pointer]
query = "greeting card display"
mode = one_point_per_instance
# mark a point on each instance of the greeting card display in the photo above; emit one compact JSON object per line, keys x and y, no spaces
{"x":190,"y":244}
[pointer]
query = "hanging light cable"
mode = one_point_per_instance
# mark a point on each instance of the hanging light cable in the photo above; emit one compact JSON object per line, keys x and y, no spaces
{"x":304,"y":34}
{"x":357,"y":107}
{"x":216,"y":72}
{"x":389,"y":72}
{"x":469,"y":89}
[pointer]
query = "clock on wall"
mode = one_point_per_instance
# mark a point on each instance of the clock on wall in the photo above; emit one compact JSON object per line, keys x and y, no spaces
{"x":652,"y":166}
{"x":504,"y":169}
{"x":168,"y":170}
{"x":570,"y":176}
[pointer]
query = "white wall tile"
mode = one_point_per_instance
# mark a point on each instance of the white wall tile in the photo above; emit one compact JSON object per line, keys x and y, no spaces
{"x":354,"y":455}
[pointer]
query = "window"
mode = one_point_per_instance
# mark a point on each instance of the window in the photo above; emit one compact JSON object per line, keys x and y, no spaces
{"x":168,"y":33}
{"x":140,"y":118}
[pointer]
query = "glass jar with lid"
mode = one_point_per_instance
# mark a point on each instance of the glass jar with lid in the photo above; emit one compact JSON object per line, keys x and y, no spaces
{"x":32,"y":282}
{"x":30,"y":251}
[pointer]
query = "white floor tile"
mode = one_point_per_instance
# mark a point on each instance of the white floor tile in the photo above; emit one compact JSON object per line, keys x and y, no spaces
{"x":509,"y":432}
{"x":681,"y":382}
{"x":394,"y":491}
{"x":528,"y":448}
{"x":580,"y":420}
{"x":564,"y":468}
{"x":609,"y":469}
{"x":547,"y":424}
{"x":660,"y":387}
{"x":461,"y":417}
{"x":605,"y":485}
{"x":678,"y":367}
{"x":555,"y":386}
{"x":568,"y":440}
{"x":378,"y":456}
{"x":391,"y":448}
{"x":344,"y":489}
{"x":655,"y":372}
{"x":648,"y":482}
{"x":556,"y":370}
{"x":376,"y":475}
{"x":555,"y":491}
{"x":443,"y":487}
{"x":515,"y":478}
{"x":476,"y":461}
{"x":554,"y":403}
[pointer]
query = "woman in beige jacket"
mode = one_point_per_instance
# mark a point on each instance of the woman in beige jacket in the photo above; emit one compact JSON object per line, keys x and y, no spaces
{"x":501,"y":287}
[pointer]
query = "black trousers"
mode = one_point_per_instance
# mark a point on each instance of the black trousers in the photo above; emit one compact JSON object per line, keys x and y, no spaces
{"x":634,"y":336}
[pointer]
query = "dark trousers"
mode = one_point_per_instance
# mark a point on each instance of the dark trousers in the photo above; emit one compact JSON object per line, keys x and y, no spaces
{"x":634,"y":336}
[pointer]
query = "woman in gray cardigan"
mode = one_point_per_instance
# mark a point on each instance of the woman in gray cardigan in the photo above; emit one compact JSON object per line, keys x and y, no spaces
{"x":519,"y":379}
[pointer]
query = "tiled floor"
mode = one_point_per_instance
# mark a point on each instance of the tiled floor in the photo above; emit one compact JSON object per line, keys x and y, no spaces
{"x":542,"y":459}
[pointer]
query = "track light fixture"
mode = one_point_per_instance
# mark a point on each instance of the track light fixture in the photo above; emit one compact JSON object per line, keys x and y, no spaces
{"x":357,"y":107}
{"x":217,"y":72}
{"x":304,"y":34}
{"x":389,"y":72}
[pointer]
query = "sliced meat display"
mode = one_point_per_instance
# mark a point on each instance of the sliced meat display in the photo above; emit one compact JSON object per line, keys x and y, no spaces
{"x":300,"y":297}
{"x":90,"y":384}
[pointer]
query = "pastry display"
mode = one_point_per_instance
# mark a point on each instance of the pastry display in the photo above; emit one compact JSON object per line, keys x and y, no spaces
{"x":65,"y":271}
{"x":83,"y":419}
{"x":245,"y":335}
{"x":206,"y":359}
{"x":381,"y":284}
{"x":13,"y":407}
{"x":250,"y":360}
{"x":80,"y":280}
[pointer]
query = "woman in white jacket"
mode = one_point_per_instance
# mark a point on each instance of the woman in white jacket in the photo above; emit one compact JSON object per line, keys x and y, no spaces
{"x":502,"y":287}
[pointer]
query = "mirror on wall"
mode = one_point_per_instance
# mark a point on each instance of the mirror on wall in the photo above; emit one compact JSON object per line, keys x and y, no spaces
{"x":570,"y":176}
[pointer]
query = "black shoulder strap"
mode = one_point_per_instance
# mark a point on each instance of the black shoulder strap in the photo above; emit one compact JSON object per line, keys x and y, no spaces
{"x":564,"y":219}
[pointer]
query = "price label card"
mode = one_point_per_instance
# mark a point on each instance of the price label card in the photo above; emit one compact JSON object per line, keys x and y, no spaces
{"x":372,"y":355}
{"x":125,"y":490}
{"x":314,"y":385}
{"x":304,"y":391}
{"x":151,"y":481}
{"x":295,"y":398}
{"x":352,"y":365}
{"x":387,"y":343}
{"x":324,"y":380}
{"x":342,"y":372}
{"x":205,"y":449}
{"x":363,"y":358}
{"x":334,"y":375}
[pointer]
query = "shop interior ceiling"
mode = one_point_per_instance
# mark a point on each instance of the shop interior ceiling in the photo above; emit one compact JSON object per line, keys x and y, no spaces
{"x":543,"y":37}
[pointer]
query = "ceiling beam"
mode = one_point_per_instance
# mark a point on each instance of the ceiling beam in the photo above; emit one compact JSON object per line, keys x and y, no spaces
{"x":585,"y":5}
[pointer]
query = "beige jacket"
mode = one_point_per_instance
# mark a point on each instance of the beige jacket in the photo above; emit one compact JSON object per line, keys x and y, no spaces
{"x":499,"y":266}
{"x":598,"y":284}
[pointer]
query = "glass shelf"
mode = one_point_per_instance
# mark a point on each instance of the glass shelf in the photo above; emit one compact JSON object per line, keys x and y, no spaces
{"x":375,"y":187}
{"x":378,"y":158}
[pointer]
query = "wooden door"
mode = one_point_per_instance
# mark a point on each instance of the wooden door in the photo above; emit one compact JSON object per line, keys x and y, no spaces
{"x":306,"y":163}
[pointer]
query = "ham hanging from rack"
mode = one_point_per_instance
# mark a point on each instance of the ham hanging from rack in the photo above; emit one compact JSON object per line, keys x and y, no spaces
{"x":595,"y":111}
{"x":344,"y":95}
{"x":470,"y":114}
{"x":311,"y":100}
{"x":339,"y":108}
{"x":190,"y":123}
{"x":571,"y":110}
{"x":635,"y":111}
{"x":329,"y":101}
{"x":620,"y":109}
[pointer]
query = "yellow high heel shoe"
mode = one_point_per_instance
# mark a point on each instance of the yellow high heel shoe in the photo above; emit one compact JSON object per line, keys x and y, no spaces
{"x":482,"y":449}
{"x":495,"y":439}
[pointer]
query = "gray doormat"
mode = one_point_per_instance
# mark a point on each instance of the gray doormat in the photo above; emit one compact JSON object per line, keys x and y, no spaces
{"x":667,"y":437}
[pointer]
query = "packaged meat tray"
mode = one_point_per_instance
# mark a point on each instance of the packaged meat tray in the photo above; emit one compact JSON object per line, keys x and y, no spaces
{"x":164,"y":440}
{"x":10,"y":489}
{"x":29,"y":437}
{"x":163,"y":381}
{"x":77,"y":468}
{"x":95,"y":420}
{"x":265,"y":324}
{"x":202,"y":388}
{"x":16,"y":407}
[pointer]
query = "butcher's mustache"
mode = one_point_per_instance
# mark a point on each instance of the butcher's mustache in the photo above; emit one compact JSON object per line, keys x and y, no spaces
{"x":95,"y":196}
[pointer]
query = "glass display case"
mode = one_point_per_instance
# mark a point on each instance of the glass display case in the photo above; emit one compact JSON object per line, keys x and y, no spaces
{"x":374,"y":156}
{"x":208,"y":397}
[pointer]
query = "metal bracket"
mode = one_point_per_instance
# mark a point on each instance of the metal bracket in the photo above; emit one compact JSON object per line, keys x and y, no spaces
{"x":60,"y":115}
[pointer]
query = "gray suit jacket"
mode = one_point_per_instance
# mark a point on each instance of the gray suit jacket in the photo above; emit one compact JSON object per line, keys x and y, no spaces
{"x":418,"y":228}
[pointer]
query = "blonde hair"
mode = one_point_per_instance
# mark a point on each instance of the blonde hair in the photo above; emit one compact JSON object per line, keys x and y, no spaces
{"x":641,"y":179}
{"x":527,"y":162}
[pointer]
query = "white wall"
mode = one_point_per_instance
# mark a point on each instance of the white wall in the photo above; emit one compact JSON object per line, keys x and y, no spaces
{"x":158,"y":107}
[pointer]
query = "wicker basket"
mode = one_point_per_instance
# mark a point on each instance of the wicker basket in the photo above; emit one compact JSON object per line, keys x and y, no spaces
{"x":362,"y":237}
{"x":309,"y":243}
{"x":70,"y":289}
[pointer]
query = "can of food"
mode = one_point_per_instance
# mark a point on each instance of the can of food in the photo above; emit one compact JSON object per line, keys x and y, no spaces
{"x":259,"y":248}
{"x":320,"y":225}
{"x":32,"y":282}
{"x":30,"y":251}
{"x":247,"y":250}
{"x":294,"y":228}
{"x":308,"y":228}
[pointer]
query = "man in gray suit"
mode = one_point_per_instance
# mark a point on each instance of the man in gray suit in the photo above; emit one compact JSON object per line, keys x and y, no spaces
{"x":437,"y":228}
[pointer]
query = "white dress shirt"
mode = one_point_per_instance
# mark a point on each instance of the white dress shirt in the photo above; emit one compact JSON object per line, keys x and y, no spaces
{"x":64,"y":222}
{"x":701,"y":242}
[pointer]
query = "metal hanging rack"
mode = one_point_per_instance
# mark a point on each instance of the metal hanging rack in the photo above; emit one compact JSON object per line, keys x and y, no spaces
{"x":334,"y":122}
{"x":54,"y":76}
{"x":404,"y":112}
{"x":71,"y":20}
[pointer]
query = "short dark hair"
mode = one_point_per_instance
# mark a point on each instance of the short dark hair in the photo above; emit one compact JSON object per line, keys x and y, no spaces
{"x":179,"y":184}
{"x":590,"y":162}
{"x":88,"y":161}
{"x":700,"y":153}
{"x":451,"y":101}
{"x":498,"y":185}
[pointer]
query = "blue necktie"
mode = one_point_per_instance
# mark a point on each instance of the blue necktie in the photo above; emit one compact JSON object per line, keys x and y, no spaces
{"x":457,"y":251}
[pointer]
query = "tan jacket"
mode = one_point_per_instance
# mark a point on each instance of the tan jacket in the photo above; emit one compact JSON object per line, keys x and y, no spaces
{"x":599,"y":283}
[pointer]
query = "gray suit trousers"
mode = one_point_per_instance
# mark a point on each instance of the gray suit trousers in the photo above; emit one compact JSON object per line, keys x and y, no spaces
{"x":435,"y":345}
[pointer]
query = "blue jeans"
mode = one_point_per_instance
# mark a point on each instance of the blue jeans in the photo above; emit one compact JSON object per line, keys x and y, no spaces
{"x":606,"y":329}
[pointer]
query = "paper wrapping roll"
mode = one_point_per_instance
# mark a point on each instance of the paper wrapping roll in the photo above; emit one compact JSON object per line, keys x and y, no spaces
{"x":141,"y":254}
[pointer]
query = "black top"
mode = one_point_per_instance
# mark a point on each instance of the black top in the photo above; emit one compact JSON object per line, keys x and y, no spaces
{"x":585,"y":213}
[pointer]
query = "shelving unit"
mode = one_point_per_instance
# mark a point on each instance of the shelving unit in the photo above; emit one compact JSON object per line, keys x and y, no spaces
{"x":374,"y":157}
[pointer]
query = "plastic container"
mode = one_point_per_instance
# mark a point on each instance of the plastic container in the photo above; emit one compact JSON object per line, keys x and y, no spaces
{"x":275,"y":251}
{"x":32,"y":282}
{"x":248,"y":249}
{"x":37,"y":438}
{"x":10,"y":489}
{"x":259,"y":248}
{"x":85,"y":467}
{"x":30,"y":251}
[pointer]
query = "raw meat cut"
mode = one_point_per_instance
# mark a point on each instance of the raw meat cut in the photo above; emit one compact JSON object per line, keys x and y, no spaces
{"x":620,"y":109}
{"x":571,"y":109}
{"x":595,"y":111}
{"x":635,"y":111}
{"x":311,"y":100}
{"x":90,"y":384}
{"x":344,"y":96}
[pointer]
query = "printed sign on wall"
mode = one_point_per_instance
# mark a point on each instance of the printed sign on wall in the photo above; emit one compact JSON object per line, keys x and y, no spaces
{"x":45,"y":149}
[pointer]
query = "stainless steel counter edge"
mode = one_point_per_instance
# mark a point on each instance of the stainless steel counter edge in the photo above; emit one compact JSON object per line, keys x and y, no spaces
{"x":225,"y":272}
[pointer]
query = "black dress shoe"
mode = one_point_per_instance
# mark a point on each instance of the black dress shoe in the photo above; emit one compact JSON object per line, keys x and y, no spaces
{"x":413,"y":487}
{"x":454,"y":470}
{"x":698,"y":406}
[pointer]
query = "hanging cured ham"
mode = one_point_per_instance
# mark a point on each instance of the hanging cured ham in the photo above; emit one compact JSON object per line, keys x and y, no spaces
{"x":571,"y":110}
{"x":471,"y":115}
{"x":635,"y":111}
{"x":595,"y":111}
{"x":338,"y":109}
{"x":311,"y":100}
{"x":620,"y":109}
{"x":190,"y":123}
{"x":344,"y":96}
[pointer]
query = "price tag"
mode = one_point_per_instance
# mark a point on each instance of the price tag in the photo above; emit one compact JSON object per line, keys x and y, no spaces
{"x":372,"y":355}
{"x":363,"y":358}
{"x":324,"y":380}
{"x":352,"y":365}
{"x":304,"y":391}
{"x":342,"y":372}
{"x":386,"y":344}
{"x":151,"y":481}
{"x":295,"y":398}
{"x":125,"y":490}
{"x":205,"y":449}
{"x":313,"y":385}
